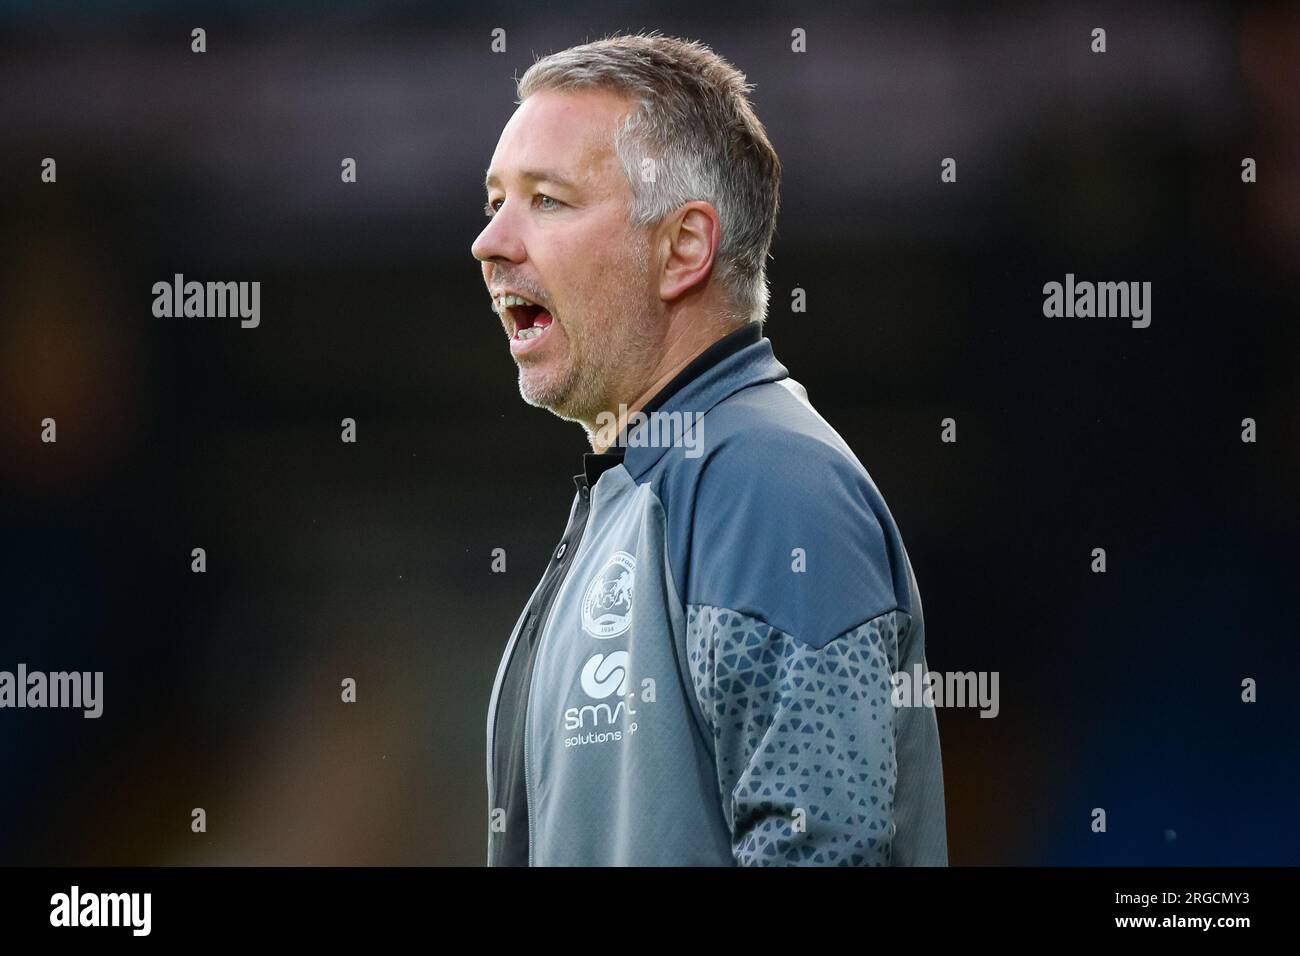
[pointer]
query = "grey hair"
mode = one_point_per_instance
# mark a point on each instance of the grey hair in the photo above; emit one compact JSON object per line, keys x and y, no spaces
{"x":694,"y":119}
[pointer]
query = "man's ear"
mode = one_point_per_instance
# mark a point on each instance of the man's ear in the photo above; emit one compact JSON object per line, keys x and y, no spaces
{"x":689,"y":242}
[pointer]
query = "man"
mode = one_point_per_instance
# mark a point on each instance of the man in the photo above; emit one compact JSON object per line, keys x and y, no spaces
{"x":703,"y":674}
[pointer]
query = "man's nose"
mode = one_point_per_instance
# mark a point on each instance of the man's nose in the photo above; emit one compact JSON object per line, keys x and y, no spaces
{"x":499,"y":241}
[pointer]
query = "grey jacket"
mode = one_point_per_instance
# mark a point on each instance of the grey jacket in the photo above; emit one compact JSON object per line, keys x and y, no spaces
{"x":712,"y":684}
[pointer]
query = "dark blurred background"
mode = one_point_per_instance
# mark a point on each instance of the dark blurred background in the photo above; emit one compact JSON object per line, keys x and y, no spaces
{"x":372,"y":560}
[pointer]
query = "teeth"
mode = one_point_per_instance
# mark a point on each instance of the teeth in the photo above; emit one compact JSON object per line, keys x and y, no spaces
{"x":529,"y":333}
{"x":505,"y":301}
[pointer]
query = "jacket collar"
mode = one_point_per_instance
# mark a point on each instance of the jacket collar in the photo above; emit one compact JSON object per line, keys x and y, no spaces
{"x":739,"y":359}
{"x":743,"y":358}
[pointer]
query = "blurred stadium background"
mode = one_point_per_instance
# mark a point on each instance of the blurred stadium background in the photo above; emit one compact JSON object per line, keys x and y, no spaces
{"x":371,"y":560}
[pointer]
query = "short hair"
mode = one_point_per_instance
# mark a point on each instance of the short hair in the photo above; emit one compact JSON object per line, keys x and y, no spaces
{"x":694,"y":118}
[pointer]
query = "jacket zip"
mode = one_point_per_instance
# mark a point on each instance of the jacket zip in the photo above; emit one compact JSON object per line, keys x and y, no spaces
{"x":575,"y":544}
{"x":495,"y":704}
{"x":538,"y":611}
{"x":528,"y":786}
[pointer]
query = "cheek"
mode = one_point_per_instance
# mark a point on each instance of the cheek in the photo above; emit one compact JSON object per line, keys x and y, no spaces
{"x":598,"y":282}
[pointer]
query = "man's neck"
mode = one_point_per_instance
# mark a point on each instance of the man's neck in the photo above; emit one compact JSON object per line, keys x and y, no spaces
{"x":681,"y":351}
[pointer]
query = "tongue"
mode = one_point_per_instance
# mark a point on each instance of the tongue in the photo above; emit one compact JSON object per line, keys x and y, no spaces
{"x":543,"y":319}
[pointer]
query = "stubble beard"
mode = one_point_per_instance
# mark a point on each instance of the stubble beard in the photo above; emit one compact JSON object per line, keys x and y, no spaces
{"x":608,"y":357}
{"x":603,"y":367}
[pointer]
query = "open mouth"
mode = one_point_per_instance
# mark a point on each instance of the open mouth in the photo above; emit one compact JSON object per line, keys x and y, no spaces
{"x":527,"y":321}
{"x":530,"y":321}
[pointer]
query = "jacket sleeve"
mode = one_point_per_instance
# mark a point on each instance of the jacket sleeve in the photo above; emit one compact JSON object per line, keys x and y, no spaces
{"x":804,"y":737}
{"x":800,"y":607}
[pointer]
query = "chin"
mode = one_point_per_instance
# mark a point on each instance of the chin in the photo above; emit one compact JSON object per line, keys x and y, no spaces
{"x":541,"y":392}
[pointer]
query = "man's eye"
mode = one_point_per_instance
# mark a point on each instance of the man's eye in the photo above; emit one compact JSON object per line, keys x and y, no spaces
{"x":490,"y":208}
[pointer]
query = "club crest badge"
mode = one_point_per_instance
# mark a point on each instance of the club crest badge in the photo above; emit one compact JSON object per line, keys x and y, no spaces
{"x":607,"y":605}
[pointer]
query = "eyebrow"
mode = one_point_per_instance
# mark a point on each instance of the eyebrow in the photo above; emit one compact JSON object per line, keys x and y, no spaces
{"x":535,"y":175}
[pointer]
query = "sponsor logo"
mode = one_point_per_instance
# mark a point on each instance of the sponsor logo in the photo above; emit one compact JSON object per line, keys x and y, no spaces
{"x":605,"y":674}
{"x":603,"y":677}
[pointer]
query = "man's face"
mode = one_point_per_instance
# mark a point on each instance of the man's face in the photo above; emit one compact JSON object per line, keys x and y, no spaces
{"x":560,"y":237}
